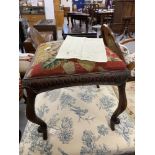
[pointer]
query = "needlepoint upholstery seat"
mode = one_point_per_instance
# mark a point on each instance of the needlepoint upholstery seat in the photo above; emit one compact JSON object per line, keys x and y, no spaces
{"x":45,"y":63}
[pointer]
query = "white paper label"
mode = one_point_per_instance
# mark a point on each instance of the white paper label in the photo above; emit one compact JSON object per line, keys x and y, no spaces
{"x":91,"y":49}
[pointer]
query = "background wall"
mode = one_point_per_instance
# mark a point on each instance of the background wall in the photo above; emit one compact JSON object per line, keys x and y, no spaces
{"x":49,"y":9}
{"x":66,"y":3}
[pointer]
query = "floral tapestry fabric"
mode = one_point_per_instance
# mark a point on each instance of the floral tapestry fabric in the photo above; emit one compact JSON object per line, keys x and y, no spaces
{"x":129,"y":57}
{"x":46,"y":64}
{"x":24,"y":61}
{"x":78,"y":123}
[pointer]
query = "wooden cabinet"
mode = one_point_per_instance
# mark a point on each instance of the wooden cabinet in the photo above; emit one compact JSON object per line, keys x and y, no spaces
{"x":32,"y":14}
{"x":123,"y":9}
{"x":32,"y":19}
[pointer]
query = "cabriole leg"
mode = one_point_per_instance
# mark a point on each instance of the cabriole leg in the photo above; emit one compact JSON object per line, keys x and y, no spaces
{"x":31,"y":115}
{"x":121,"y":106}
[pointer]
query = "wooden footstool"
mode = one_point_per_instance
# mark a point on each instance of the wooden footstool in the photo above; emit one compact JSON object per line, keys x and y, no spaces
{"x":47,"y":73}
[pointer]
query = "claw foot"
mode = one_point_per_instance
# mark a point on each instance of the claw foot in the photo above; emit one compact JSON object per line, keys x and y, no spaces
{"x":40,"y":130}
{"x":44,"y":131}
{"x":113,"y":122}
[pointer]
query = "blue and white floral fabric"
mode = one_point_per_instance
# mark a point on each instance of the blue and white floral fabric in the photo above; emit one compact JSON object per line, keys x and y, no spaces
{"x":78,"y":124}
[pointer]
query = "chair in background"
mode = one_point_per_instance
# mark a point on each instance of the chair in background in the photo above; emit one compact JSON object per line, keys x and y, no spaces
{"x":66,"y":10}
{"x":35,"y":36}
{"x":126,"y":32}
{"x":119,"y":48}
{"x":35,"y":39}
{"x":91,"y":9}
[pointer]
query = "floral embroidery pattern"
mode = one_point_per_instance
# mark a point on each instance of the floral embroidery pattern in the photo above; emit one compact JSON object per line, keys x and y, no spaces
{"x":64,"y":128}
{"x":52,"y":95}
{"x":42,"y":110}
{"x":87,"y":95}
{"x":45,"y":62}
{"x":44,"y":147}
{"x":65,"y":136}
{"x":54,"y":121}
{"x":89,"y":140}
{"x":84,"y":96}
{"x":106,"y":103}
{"x":102,"y":130}
{"x":125,"y":127}
{"x":66,"y":100}
{"x":66,"y":131}
{"x":82,"y":113}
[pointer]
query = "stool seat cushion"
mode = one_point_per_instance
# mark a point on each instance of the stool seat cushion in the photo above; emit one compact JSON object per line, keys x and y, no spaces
{"x":78,"y":124}
{"x":45,"y":63}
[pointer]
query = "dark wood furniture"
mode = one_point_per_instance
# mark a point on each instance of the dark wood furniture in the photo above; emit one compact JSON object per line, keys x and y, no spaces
{"x":66,"y":10}
{"x":29,"y":48}
{"x":90,"y":9}
{"x":35,"y":39}
{"x":47,"y":26}
{"x":105,"y":15}
{"x":21,"y":36}
{"x":78,"y":16}
{"x":94,"y":6}
{"x":78,"y":32}
{"x":126,"y":33}
{"x":36,"y":85}
{"x":123,"y":9}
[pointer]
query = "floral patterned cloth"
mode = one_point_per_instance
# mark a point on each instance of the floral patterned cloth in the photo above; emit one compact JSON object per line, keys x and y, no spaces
{"x":78,"y":124}
{"x":45,"y":63}
{"x":24,"y":61}
{"x":129,"y":57}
